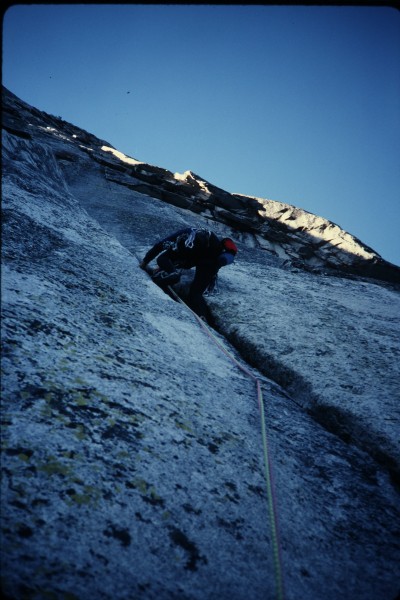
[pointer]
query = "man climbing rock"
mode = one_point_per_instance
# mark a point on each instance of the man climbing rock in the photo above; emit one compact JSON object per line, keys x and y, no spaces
{"x":187,"y":248}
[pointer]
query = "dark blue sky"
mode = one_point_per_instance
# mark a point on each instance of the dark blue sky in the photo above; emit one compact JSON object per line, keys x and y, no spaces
{"x":299,"y":104}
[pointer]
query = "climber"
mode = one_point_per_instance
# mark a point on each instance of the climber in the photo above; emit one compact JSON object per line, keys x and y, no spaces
{"x":187,"y":248}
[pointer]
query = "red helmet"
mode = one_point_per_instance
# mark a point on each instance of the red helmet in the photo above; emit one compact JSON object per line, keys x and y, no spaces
{"x":229,"y":245}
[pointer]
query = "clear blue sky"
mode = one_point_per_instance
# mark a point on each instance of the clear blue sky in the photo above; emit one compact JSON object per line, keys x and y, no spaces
{"x":299,"y":104}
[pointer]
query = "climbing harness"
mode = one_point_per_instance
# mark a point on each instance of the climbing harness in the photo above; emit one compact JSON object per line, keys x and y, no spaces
{"x":267,"y":457}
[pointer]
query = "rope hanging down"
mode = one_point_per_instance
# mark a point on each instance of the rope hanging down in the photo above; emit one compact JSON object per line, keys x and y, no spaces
{"x":267,"y":458}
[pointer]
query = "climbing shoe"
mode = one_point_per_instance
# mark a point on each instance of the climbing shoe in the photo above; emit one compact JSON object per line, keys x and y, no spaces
{"x":212,"y":288}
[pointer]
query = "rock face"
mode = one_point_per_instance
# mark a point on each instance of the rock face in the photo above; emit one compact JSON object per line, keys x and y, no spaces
{"x":132,"y":448}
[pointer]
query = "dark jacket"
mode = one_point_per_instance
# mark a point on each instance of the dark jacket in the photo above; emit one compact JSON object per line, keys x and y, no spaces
{"x":187,"y":248}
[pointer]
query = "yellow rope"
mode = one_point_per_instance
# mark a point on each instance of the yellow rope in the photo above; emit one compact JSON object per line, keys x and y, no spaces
{"x":267,"y":460}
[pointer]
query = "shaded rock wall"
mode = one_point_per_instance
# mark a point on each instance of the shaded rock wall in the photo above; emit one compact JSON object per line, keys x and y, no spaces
{"x":132,"y":455}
